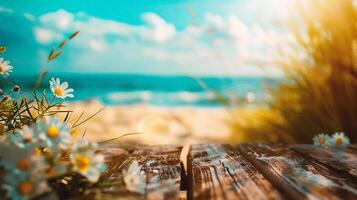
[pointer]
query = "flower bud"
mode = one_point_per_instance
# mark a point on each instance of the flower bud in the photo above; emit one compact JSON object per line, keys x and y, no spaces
{"x":16,"y":88}
{"x":5,"y":98}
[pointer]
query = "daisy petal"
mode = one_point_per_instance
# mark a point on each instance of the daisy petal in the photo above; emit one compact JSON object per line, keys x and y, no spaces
{"x":64,"y":85}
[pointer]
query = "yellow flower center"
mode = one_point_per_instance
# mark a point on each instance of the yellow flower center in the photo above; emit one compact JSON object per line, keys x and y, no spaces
{"x":339,"y":140}
{"x":322,"y":140}
{"x":82,"y":162}
{"x":23,"y":165}
{"x":58,"y":91}
{"x":52,"y":132}
{"x":25,"y":188}
{"x":50,"y":171}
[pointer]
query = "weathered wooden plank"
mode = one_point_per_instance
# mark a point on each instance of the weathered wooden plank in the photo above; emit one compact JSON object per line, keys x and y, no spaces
{"x":296,"y":177}
{"x":354,"y":146}
{"x":162,"y":162}
{"x":342,"y":161}
{"x":111,"y":185}
{"x":113,"y":153}
{"x":220,"y":172}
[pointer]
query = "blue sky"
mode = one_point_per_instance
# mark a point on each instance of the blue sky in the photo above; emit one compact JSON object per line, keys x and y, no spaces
{"x":172,"y":37}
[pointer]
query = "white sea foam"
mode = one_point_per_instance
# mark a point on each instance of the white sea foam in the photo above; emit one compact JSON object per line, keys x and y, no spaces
{"x":152,"y":97}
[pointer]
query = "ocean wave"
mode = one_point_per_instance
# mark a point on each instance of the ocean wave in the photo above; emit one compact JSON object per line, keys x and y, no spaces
{"x":121,"y":89}
{"x":130,"y":96}
{"x":168,"y":98}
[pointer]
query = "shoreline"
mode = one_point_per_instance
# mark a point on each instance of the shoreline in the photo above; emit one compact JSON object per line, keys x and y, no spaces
{"x":95,"y":100}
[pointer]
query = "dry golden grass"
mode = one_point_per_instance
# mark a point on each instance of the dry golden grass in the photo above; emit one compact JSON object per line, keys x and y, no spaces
{"x":320,"y":90}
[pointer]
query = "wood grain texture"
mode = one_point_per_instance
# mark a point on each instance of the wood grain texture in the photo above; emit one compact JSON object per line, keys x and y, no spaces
{"x":296,"y":177}
{"x":343,"y":161}
{"x":162,"y":162}
{"x":216,"y":171}
{"x":220,"y":172}
{"x":353,"y":147}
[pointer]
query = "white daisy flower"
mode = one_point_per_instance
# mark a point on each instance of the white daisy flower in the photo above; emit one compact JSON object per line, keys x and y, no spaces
{"x":5,"y":67}
{"x":321,"y":140}
{"x":339,"y":140}
{"x":60,"y":90}
{"x":134,"y":178}
{"x":86,"y":161}
{"x":24,"y":137}
{"x":22,"y":177}
{"x":54,"y":134}
{"x":24,"y":187}
{"x":19,"y":161}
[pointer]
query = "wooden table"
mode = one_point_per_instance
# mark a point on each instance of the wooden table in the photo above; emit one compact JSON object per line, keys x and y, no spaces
{"x":220,"y":171}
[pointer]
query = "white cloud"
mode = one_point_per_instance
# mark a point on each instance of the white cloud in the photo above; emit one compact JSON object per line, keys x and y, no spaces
{"x":61,"y":19}
{"x":46,"y":36}
{"x":159,"y":30}
{"x":6,"y":10}
{"x":216,"y":22}
{"x":156,"y":29}
{"x":216,"y":46}
{"x":97,"y":45}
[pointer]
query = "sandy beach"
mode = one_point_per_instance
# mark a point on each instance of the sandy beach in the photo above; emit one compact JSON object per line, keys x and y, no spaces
{"x":155,"y":125}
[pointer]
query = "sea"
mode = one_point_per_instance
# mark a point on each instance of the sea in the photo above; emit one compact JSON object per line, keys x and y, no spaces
{"x":167,"y":91}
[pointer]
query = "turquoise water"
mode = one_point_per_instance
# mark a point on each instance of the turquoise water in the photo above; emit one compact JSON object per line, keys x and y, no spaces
{"x":124,"y":89}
